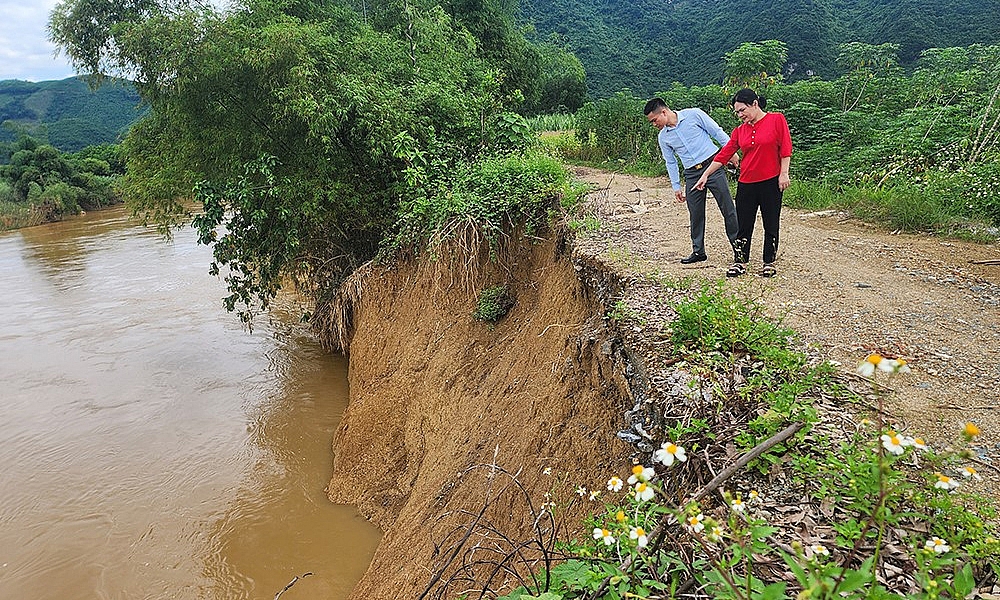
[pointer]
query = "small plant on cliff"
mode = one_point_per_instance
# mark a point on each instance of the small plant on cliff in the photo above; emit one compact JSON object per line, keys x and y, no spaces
{"x":494,"y":303}
{"x":621,"y":312}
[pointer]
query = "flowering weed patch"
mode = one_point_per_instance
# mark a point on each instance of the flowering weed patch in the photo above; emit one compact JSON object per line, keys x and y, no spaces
{"x":749,"y":362}
{"x":900,"y":527}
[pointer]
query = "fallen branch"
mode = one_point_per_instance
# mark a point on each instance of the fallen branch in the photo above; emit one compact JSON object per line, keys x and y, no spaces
{"x":759,"y":449}
{"x":957,"y":407}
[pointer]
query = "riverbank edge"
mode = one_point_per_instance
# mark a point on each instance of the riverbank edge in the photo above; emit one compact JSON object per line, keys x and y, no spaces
{"x":435,"y":395}
{"x":34,"y":215}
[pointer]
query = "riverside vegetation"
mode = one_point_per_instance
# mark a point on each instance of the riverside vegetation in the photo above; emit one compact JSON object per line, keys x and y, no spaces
{"x":58,"y":148}
{"x":318,"y":137}
{"x":40,"y":184}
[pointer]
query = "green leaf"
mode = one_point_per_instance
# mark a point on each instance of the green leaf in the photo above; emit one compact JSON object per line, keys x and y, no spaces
{"x":572,"y":573}
{"x":775,"y":591}
{"x":964,"y":582}
{"x":855,"y":579}
{"x":793,"y":564}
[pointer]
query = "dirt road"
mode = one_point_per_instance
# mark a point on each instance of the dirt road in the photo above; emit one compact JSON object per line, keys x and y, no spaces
{"x":849,"y":289}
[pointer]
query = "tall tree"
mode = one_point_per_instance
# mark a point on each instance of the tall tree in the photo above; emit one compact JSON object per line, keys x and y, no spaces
{"x":755,"y":65}
{"x":290,"y":120}
{"x":869,"y":70}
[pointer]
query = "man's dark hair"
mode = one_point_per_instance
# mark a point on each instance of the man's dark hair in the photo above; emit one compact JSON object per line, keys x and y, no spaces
{"x":653,"y":105}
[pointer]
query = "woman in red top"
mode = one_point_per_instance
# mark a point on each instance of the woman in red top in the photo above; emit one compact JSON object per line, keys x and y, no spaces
{"x":766,"y":145}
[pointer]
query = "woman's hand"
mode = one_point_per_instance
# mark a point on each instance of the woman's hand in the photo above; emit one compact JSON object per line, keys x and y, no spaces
{"x":784,"y":181}
{"x":702,"y":182}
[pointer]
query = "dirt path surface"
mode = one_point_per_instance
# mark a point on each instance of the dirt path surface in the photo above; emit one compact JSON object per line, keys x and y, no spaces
{"x":848,"y":289}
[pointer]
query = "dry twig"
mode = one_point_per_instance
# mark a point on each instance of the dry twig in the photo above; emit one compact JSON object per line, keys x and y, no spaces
{"x":290,"y":584}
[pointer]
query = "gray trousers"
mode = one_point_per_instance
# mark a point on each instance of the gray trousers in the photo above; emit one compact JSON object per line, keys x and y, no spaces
{"x":719,"y":186}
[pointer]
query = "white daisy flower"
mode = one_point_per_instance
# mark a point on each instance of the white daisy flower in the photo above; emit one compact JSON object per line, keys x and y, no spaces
{"x":605,"y":535}
{"x":696,"y":524}
{"x":639,"y":535}
{"x":892,"y":442}
{"x":643,"y":492}
{"x":971,"y":473}
{"x":641,"y":473}
{"x":668,"y":453}
{"x":945,"y":483}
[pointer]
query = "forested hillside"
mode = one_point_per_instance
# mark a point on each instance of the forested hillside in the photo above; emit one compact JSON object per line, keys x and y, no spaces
{"x":645,"y":45}
{"x":67,"y":114}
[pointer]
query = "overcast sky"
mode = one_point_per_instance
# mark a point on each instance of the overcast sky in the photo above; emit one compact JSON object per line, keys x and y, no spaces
{"x":25,"y":51}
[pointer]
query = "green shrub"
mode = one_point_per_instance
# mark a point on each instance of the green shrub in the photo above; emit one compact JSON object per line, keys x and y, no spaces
{"x":64,"y":197}
{"x":563,"y":144}
{"x":6,"y":192}
{"x":617,"y":131}
{"x":495,"y":194}
{"x":494,"y":303}
{"x":719,"y":320}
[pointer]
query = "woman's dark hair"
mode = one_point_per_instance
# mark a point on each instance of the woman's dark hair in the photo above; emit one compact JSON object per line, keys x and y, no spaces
{"x":748,"y":96}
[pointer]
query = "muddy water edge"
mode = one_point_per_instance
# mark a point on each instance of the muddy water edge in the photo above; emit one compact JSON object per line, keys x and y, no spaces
{"x":152,"y":448}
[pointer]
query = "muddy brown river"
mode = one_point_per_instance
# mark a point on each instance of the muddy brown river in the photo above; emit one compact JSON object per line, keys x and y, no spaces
{"x":151,"y":447}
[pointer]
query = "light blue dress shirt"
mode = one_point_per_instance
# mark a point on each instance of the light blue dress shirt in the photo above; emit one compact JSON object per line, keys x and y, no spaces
{"x":690,"y":140}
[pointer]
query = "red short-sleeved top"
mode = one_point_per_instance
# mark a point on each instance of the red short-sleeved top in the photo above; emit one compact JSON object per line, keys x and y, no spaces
{"x":762,"y":145}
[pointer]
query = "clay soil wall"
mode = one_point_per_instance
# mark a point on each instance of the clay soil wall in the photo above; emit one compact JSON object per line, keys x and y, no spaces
{"x":435,"y":392}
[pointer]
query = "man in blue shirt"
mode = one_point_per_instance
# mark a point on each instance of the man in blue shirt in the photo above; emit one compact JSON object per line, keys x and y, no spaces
{"x":687,"y":134}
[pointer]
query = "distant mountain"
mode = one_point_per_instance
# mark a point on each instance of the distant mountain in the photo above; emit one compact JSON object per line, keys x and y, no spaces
{"x":645,"y":45}
{"x":66,"y":113}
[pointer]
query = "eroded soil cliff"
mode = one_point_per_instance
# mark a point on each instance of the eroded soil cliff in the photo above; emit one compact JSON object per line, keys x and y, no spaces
{"x":434,"y":393}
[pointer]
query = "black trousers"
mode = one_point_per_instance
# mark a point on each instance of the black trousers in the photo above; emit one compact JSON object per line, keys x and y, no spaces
{"x":765,"y":196}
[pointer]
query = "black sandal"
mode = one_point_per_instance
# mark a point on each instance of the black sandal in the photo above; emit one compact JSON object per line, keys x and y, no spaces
{"x":736,"y":270}
{"x":768,"y":270}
